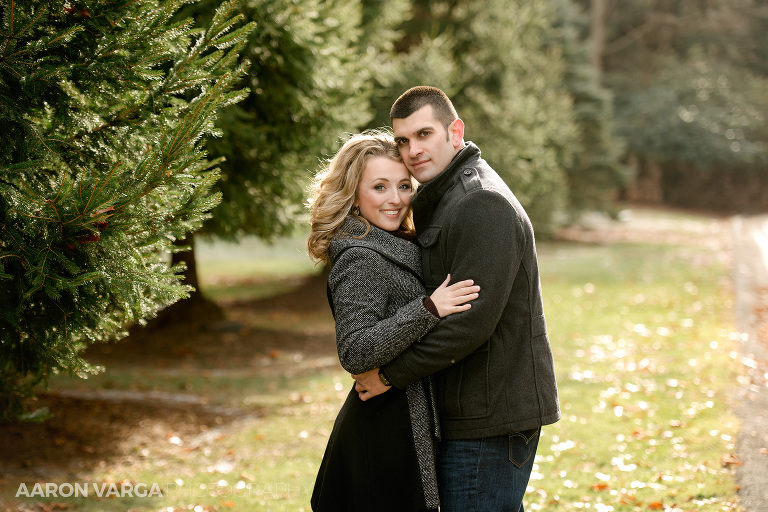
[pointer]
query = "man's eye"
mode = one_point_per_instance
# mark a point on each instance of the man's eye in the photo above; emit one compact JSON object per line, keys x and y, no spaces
{"x":402,"y":142}
{"x":424,"y":134}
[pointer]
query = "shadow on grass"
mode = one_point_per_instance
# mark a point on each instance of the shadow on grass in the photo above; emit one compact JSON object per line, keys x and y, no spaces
{"x":94,"y":427}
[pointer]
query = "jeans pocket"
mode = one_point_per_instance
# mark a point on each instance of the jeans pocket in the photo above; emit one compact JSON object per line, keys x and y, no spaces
{"x":522,"y":446}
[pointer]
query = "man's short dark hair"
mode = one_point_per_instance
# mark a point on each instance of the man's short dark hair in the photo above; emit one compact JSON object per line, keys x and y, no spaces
{"x":417,"y":97}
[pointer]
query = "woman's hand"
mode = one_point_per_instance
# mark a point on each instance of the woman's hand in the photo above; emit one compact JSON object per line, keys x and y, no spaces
{"x":449,"y":299}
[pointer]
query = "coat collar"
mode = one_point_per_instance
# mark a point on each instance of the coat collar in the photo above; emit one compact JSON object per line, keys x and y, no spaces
{"x":429,"y":194}
{"x":353,"y":234}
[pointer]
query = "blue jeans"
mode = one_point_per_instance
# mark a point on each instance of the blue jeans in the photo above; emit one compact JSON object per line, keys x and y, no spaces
{"x":486,"y":475}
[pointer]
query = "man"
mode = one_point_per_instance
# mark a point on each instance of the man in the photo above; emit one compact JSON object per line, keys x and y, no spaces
{"x":492,"y":365}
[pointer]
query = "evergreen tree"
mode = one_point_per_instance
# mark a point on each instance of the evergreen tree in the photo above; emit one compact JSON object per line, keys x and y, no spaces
{"x":310,"y":81}
{"x":596,"y":174}
{"x":105,"y":107}
{"x":307,"y":85}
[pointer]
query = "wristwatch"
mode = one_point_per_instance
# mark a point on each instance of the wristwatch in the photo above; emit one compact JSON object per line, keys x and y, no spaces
{"x":384,"y":379}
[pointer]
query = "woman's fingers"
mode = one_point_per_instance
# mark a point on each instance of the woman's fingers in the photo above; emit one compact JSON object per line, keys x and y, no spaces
{"x":459,"y":284}
{"x":465,"y":291}
{"x":444,"y":284}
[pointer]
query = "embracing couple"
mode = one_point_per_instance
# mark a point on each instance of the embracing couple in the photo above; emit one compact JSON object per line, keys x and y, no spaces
{"x":439,"y":318}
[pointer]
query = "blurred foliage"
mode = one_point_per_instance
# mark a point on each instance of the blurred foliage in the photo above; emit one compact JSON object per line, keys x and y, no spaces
{"x":689,"y":80}
{"x":699,"y":112}
{"x":309,"y":81}
{"x":596,"y":173}
{"x":516,"y":70}
{"x":503,"y":73}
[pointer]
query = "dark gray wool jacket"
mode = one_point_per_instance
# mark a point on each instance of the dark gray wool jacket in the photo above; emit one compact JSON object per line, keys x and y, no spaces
{"x":492,"y":365}
{"x":378,"y":299}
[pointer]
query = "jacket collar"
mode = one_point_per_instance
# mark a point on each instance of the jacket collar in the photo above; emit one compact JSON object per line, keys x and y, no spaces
{"x":429,"y":193}
{"x":399,"y":251}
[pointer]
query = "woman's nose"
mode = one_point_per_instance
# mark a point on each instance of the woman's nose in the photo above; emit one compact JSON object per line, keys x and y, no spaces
{"x":394,"y":197}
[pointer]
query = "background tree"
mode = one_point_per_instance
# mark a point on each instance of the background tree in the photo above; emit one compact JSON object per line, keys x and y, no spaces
{"x":499,"y":64}
{"x":688,"y":79}
{"x":105,"y":110}
{"x":596,"y":174}
{"x":310,"y":81}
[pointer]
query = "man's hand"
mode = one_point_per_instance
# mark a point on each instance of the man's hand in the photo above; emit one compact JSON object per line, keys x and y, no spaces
{"x":368,"y":385}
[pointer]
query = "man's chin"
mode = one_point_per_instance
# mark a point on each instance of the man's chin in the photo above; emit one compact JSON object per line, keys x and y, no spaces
{"x":423,"y":175}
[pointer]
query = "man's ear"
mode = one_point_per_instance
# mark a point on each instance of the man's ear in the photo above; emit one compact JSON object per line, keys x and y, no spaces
{"x":457,"y":133}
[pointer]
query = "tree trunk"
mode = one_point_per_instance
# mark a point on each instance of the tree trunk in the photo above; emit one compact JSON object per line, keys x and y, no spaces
{"x":188,"y":257}
{"x":598,"y":13}
{"x":196,"y":312}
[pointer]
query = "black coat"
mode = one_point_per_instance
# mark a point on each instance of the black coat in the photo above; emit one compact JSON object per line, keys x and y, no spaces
{"x":492,"y":364}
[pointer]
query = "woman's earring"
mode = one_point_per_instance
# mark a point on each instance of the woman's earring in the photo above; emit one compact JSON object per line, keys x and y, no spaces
{"x":356,"y":211}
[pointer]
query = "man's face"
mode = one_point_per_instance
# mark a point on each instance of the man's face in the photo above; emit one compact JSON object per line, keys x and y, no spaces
{"x":424,"y":144}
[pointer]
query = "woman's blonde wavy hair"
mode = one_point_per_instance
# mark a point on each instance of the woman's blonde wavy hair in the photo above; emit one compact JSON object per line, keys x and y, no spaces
{"x":334,"y":188}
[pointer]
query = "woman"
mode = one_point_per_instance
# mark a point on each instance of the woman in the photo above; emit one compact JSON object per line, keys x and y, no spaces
{"x":381,"y":453}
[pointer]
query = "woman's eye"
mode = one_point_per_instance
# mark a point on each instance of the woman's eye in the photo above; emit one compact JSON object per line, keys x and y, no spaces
{"x":378,"y":187}
{"x":405,"y":186}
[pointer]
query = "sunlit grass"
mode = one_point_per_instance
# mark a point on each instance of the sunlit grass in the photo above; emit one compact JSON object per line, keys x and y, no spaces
{"x":642,"y":342}
{"x":251,"y":268}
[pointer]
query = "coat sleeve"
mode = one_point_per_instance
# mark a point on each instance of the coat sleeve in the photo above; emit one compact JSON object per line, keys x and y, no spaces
{"x":361,"y":283}
{"x":487,"y":240}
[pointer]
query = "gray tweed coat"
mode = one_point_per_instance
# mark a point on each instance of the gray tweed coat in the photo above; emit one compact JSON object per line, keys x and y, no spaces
{"x":378,"y":297}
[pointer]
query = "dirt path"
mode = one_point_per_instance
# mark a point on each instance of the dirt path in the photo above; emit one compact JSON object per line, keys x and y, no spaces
{"x":750,"y":250}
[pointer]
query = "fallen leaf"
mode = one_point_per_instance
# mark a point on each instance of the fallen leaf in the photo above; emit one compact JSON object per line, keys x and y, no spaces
{"x":627,"y":499}
{"x":656,"y":505}
{"x":599,"y":486}
{"x":730,"y":460}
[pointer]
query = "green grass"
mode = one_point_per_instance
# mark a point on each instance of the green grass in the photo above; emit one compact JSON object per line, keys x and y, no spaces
{"x":251,"y":269}
{"x":642,"y":339}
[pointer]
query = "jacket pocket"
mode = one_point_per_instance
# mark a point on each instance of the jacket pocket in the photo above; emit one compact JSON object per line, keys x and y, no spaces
{"x":463,"y":388}
{"x":429,"y":236}
{"x":431,"y":259}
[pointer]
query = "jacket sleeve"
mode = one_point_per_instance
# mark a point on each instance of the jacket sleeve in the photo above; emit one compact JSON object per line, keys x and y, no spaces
{"x":487,"y":239}
{"x":361,"y":282}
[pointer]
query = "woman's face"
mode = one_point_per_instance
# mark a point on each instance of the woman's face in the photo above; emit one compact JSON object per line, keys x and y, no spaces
{"x":384,"y":193}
